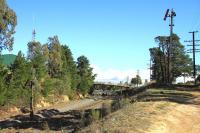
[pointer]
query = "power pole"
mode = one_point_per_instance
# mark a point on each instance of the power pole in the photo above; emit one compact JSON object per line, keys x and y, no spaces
{"x":150,"y":68}
{"x":171,"y":14}
{"x":193,"y":51}
{"x":138,"y":72}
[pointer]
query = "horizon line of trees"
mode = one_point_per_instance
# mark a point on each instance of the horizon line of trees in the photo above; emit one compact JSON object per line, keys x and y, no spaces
{"x":136,"y":81}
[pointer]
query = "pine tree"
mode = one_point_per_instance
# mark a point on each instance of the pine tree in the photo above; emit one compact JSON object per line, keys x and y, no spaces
{"x":37,"y":59}
{"x":69,"y":67}
{"x":85,"y":73}
{"x":3,"y":87}
{"x":20,"y":75}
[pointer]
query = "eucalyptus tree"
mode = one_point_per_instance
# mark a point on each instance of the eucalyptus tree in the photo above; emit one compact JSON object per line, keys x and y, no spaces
{"x":181,"y":63}
{"x":8,"y":22}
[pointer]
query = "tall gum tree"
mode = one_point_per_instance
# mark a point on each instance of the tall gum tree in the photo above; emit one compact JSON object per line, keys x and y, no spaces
{"x":8,"y":22}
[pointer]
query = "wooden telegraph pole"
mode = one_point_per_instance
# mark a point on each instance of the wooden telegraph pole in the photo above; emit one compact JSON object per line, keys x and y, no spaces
{"x":193,"y":51}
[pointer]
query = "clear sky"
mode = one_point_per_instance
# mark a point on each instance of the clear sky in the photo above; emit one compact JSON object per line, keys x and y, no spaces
{"x":114,"y":34}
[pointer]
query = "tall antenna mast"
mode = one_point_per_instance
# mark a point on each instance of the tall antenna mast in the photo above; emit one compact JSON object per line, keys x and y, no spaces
{"x":34,"y":32}
{"x":171,"y":14}
{"x":33,"y":35}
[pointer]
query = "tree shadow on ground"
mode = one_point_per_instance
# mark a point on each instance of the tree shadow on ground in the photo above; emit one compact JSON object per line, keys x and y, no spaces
{"x":74,"y":120}
{"x":192,"y":88}
{"x":165,"y":94}
{"x":53,"y":120}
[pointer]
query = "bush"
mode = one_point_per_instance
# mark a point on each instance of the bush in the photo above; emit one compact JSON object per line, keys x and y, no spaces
{"x":47,"y":88}
{"x":3,"y":88}
{"x":96,"y":114}
{"x":106,"y":109}
{"x":57,"y":87}
{"x":22,"y":97}
{"x":3,"y":97}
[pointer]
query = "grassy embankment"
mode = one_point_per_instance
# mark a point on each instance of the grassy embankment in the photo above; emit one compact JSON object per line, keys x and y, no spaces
{"x":150,"y":111}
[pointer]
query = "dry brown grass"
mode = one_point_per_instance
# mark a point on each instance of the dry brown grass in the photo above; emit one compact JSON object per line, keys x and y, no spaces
{"x":135,"y":117}
{"x":157,"y":111}
{"x":168,"y":111}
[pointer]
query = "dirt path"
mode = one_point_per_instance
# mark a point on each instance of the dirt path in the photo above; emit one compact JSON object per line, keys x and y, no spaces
{"x":181,"y":119}
{"x":63,"y":107}
{"x":65,"y":117}
{"x":157,"y":111}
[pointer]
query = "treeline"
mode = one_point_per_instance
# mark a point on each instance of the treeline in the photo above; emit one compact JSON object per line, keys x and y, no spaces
{"x":49,"y":69}
{"x":164,"y":56}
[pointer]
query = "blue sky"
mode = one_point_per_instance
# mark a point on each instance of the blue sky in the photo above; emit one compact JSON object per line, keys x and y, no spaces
{"x":114,"y":34}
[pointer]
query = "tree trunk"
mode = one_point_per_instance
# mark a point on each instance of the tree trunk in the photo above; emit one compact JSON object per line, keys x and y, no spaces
{"x":31,"y":102}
